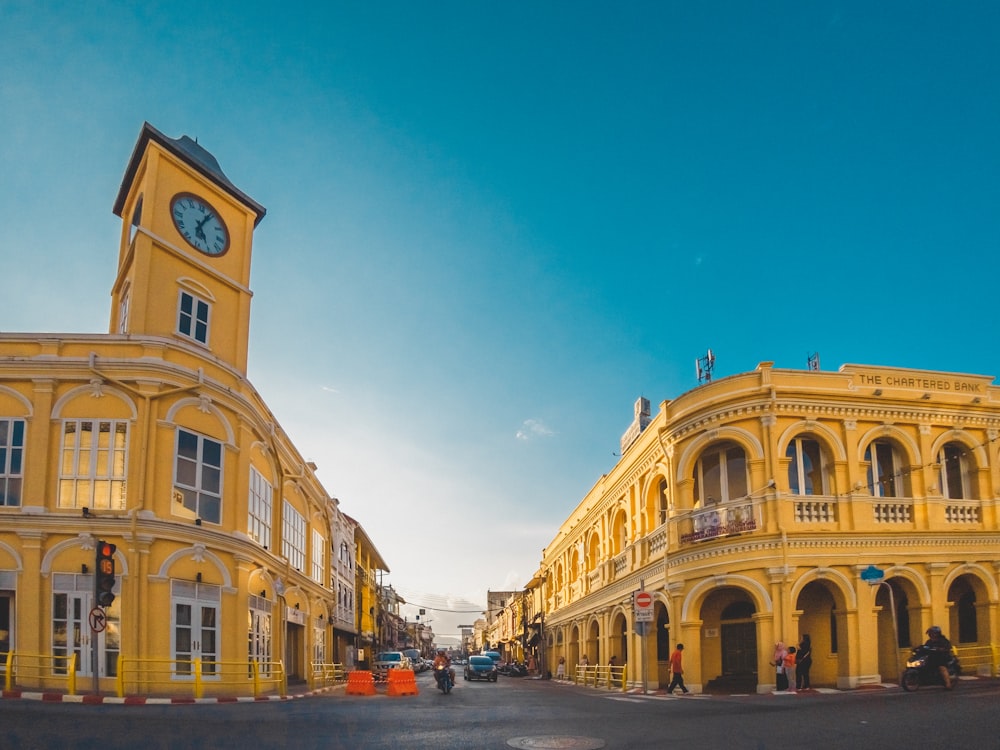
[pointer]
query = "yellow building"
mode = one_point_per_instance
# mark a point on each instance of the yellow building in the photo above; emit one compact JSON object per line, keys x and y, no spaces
{"x":150,"y":437}
{"x":765,"y":506}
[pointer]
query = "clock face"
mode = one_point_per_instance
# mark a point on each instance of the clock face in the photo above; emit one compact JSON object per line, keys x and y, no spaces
{"x":199,"y":224}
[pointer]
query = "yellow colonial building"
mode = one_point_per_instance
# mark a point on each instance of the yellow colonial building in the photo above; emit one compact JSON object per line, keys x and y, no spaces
{"x":150,"y":437}
{"x":857,"y":506}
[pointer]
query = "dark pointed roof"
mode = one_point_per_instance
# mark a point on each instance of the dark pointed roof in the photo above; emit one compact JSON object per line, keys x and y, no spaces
{"x":191,"y":152}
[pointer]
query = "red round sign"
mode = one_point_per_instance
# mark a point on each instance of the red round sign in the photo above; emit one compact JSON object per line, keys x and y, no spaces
{"x":643,"y":599}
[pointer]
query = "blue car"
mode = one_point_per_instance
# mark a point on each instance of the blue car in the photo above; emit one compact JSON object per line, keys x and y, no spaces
{"x":481,"y":668}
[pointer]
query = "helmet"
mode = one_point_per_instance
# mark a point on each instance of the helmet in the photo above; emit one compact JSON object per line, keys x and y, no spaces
{"x":933,"y":630}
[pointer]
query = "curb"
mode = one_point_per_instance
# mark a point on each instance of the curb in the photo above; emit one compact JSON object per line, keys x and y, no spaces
{"x":138,"y":700}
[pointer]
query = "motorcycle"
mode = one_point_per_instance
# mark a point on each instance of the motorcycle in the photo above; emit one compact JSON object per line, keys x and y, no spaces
{"x":920,"y":672}
{"x":443,"y":676}
{"x":516,"y":669}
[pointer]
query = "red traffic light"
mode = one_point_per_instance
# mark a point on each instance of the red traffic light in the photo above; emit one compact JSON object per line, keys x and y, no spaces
{"x":105,"y":579}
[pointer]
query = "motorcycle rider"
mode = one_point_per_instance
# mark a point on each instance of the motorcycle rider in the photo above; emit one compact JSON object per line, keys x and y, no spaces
{"x":940,"y":652}
{"x":441,"y":660}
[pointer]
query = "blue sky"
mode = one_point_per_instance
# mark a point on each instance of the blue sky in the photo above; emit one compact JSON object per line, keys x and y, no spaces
{"x":492,"y":226}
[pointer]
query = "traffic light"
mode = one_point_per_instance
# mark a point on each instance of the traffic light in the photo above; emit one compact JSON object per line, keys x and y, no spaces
{"x":105,"y":573}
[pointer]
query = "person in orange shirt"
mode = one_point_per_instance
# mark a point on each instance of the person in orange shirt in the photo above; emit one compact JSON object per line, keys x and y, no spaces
{"x":789,"y":665}
{"x":677,"y":668}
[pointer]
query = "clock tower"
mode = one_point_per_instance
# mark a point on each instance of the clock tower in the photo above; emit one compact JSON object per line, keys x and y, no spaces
{"x":184,"y":256}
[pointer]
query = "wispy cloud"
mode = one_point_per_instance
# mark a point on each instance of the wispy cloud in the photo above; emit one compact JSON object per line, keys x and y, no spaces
{"x":533,"y":428}
{"x":328,"y":389}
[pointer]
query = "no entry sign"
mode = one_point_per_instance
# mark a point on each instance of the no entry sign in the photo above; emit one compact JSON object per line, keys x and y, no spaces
{"x":643,"y":606}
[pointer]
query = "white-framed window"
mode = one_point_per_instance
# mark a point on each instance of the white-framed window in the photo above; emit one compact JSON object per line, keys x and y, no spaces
{"x":293,"y":541}
{"x":807,"y":473}
{"x":259,"y":637}
{"x":318,"y":557}
{"x":123,"y":309}
{"x":721,"y":474}
{"x":956,"y":472}
{"x":319,"y":642}
{"x":198,"y":477}
{"x":194,"y":627}
{"x":192,"y":317}
{"x":11,"y":461}
{"x":886,"y":475}
{"x":259,"y":509}
{"x":93,"y":464}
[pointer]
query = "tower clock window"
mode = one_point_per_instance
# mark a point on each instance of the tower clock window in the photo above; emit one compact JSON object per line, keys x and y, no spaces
{"x":192,"y":317}
{"x":136,"y":219}
{"x":123,"y":306}
{"x":198,"y":476}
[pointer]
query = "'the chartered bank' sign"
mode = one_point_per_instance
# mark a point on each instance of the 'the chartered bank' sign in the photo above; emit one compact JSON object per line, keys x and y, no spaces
{"x":936,"y":382}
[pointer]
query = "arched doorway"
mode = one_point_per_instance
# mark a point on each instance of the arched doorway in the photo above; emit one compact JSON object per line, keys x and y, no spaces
{"x":819,"y":620}
{"x":729,"y":640}
{"x":662,"y":645}
{"x":969,"y":617}
{"x":619,"y":638}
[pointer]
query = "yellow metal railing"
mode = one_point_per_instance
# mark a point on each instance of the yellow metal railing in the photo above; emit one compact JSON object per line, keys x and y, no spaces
{"x":978,"y":659}
{"x":325,"y":674}
{"x":597,"y":675}
{"x":148,"y":676}
{"x":40,"y":667}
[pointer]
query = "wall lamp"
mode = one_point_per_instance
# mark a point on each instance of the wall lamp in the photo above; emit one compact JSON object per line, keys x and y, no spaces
{"x":86,"y":512}
{"x":198,"y":578}
{"x":197,"y":522}
{"x":84,"y":569}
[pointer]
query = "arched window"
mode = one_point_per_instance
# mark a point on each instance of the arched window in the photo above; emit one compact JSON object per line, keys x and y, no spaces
{"x":886,"y":470}
{"x":661,"y":516}
{"x":720,"y":474}
{"x":956,"y":472}
{"x":807,"y":472}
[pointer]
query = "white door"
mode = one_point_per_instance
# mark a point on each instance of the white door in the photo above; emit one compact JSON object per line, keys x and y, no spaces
{"x":72,"y":603}
{"x":195,"y":627}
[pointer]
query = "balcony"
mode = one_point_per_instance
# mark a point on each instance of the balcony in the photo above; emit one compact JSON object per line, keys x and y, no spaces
{"x":718,"y":521}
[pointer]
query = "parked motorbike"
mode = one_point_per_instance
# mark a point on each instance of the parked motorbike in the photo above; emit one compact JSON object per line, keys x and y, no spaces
{"x":920,"y":672}
{"x":443,"y":676}
{"x":515,"y":669}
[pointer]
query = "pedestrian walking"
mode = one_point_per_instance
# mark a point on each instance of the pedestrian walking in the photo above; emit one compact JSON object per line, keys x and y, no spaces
{"x":677,"y":668}
{"x":803,"y":661}
{"x":561,"y":668}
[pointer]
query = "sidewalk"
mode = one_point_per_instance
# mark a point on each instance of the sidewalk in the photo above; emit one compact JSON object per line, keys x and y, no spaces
{"x":139,"y":700}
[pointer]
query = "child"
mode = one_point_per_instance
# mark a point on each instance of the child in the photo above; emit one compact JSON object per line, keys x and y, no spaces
{"x":789,"y":665}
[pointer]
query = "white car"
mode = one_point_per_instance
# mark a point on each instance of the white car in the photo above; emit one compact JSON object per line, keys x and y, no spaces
{"x":386,"y":660}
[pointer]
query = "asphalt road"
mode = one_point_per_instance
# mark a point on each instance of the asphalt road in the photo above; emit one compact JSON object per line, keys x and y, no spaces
{"x":528,"y":713}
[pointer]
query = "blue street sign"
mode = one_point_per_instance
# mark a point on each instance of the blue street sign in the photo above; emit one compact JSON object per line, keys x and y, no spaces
{"x":872,"y":574}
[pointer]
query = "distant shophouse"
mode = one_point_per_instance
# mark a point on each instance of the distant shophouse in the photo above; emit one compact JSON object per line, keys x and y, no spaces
{"x":777,"y":503}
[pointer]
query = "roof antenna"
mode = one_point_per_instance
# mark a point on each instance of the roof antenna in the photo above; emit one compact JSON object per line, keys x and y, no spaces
{"x":703,"y":366}
{"x":813,"y":361}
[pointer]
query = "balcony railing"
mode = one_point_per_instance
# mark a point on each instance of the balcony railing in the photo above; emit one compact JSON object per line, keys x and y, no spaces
{"x":721,"y":520}
{"x":893,"y":511}
{"x":815,"y":511}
